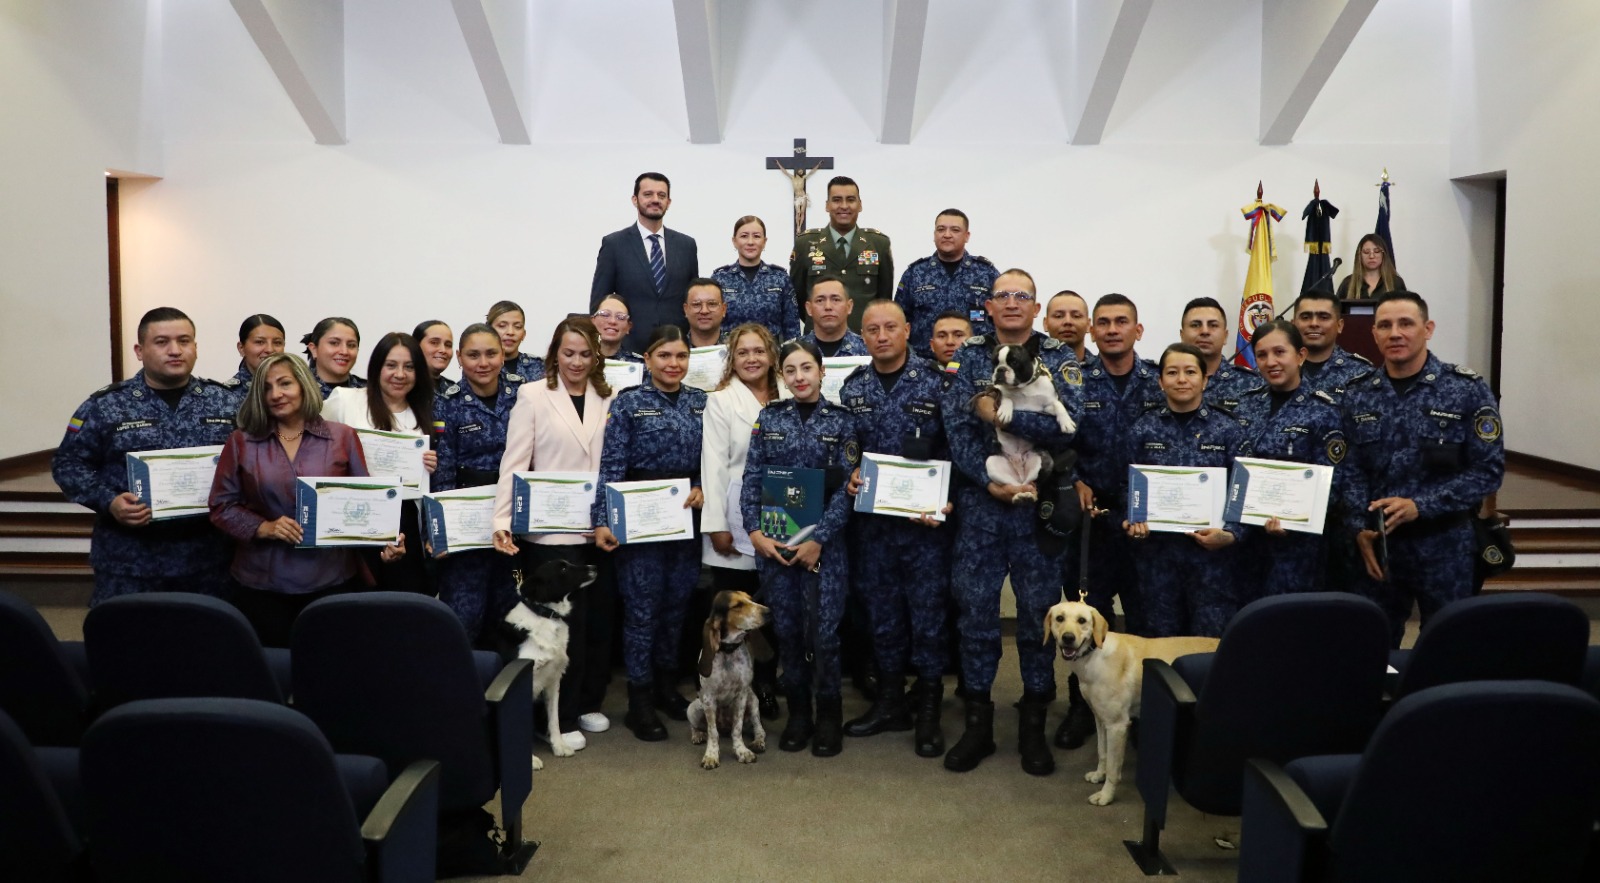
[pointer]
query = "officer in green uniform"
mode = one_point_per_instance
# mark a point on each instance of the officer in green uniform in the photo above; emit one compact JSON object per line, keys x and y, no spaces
{"x":859,"y":256}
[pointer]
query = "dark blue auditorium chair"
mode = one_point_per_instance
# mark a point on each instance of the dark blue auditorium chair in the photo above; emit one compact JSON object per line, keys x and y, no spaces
{"x":1294,"y":675}
{"x":40,"y":810}
{"x":167,"y":645}
{"x":240,"y":789}
{"x":393,"y":675}
{"x":1521,"y":636}
{"x":1487,"y":780}
{"x":1591,"y":671}
{"x":42,"y":681}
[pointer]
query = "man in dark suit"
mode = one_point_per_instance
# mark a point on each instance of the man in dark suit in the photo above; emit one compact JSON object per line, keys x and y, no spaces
{"x":647,"y":264}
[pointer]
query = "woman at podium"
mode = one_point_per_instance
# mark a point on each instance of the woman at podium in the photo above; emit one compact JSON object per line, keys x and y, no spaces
{"x":1375,"y":271}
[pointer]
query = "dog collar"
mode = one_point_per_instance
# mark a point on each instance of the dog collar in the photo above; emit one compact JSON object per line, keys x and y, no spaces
{"x":726,"y":647}
{"x":547,"y":613}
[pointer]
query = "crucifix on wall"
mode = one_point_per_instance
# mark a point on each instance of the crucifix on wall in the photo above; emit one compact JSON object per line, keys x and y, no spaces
{"x":799,"y":167}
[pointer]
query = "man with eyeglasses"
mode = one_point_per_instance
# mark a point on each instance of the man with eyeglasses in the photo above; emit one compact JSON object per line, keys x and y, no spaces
{"x":996,"y":536}
{"x":1328,"y":367}
{"x":829,"y":307}
{"x":704,"y":307}
{"x":949,"y":279}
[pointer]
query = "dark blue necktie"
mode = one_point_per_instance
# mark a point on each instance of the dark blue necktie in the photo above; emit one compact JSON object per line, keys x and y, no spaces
{"x":658,"y":264}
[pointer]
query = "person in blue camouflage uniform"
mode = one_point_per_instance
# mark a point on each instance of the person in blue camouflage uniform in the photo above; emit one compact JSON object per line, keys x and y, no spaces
{"x":1067,"y":319}
{"x":829,"y":309}
{"x":1328,"y":366}
{"x":162,"y":406}
{"x":703,"y":311}
{"x":1286,"y":421}
{"x":806,"y":590}
{"x":755,"y":291}
{"x":438,"y":344}
{"x":996,"y":536}
{"x":508,"y":320}
{"x":336,"y":342}
{"x":469,"y":436}
{"x":895,"y":403}
{"x":653,"y":432}
{"x":260,"y":336}
{"x":948,"y":279}
{"x":1187,"y":581}
{"x":1118,"y":388}
{"x":1425,"y":449}
{"x":615,"y":323}
{"x":1205,"y":327}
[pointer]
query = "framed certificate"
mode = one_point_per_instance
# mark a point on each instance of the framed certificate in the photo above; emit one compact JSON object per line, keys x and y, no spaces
{"x":1294,"y":493}
{"x":905,"y":488}
{"x":348,"y":511}
{"x":649,"y":511}
{"x":552,"y":502}
{"x":395,"y":453}
{"x":620,"y":375}
{"x":835,"y":370}
{"x":1177,"y":499}
{"x":460,"y":520}
{"x":705,"y":367}
{"x":175,"y":482}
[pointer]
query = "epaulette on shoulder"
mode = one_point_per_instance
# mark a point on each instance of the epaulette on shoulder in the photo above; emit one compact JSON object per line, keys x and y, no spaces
{"x":451,"y":391}
{"x":1050,"y":343}
{"x":1359,"y":358}
{"x":812,"y":231}
{"x":874,"y":232}
{"x":228,"y":383}
{"x":515,"y":377}
{"x":1464,"y":371}
{"x":106,"y":389}
{"x":1323,"y":395}
{"x":923,"y":260}
{"x":723,"y":267}
{"x":975,"y":340}
{"x":981,"y":259}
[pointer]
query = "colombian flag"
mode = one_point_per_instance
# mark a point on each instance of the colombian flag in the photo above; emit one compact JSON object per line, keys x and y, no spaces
{"x":1255,"y":307}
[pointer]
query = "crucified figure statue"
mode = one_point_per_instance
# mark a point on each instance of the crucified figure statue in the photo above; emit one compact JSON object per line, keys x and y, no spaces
{"x":797,"y":180}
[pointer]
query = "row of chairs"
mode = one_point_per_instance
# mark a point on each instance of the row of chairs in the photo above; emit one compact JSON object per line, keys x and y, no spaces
{"x":1349,"y":761}
{"x":389,"y":680}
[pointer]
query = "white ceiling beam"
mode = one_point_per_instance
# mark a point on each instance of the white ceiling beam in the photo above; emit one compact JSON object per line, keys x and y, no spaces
{"x":496,"y":32}
{"x":303,"y":42}
{"x":905,"y":28}
{"x":697,"y":52}
{"x":1301,"y":44}
{"x":1105,"y":33}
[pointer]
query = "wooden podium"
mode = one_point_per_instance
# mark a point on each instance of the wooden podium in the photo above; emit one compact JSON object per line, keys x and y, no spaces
{"x":1357,"y":334}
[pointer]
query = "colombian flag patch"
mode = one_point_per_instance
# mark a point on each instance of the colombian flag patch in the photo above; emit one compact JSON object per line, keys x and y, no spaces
{"x":75,"y":424}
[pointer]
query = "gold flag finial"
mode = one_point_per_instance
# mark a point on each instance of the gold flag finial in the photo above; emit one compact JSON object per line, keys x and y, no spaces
{"x":1385,"y":174}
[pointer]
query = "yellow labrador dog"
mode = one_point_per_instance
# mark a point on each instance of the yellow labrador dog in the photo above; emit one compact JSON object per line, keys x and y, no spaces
{"x":1110,"y":668}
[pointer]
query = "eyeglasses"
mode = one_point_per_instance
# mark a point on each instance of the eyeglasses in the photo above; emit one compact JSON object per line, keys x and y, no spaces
{"x":704,"y":306}
{"x":608,"y":314}
{"x":1021,"y":297}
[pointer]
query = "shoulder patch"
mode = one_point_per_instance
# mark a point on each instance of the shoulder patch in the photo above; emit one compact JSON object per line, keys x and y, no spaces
{"x":975,"y":340}
{"x":1050,"y":343}
{"x":1072,"y":374}
{"x":451,"y":390}
{"x":1486,"y":425}
{"x":852,"y":452}
{"x":515,"y":378}
{"x":1464,"y":371}
{"x":1320,"y":395}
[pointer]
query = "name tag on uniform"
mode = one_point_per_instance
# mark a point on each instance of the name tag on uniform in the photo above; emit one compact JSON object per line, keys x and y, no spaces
{"x":1210,"y":447}
{"x":470,"y":427}
{"x":128,"y":425}
{"x":647,"y":412}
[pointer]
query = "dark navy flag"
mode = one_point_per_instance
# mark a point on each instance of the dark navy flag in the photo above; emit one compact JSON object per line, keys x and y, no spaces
{"x":1383,"y":217}
{"x":1319,"y":215}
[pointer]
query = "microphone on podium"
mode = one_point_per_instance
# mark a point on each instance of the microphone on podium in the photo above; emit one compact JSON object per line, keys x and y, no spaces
{"x":1337,"y":263}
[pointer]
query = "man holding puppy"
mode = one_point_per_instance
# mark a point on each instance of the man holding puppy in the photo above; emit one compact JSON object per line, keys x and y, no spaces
{"x":996,"y":537}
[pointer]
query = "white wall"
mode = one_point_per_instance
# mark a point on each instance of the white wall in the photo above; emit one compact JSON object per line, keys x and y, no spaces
{"x":1526,"y":82}
{"x":75,"y":100}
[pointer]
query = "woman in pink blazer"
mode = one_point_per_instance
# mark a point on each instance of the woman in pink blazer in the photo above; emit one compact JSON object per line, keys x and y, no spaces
{"x":558,"y":425}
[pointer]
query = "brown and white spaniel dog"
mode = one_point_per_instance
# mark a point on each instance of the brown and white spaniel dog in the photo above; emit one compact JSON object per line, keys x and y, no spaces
{"x":727,"y":703}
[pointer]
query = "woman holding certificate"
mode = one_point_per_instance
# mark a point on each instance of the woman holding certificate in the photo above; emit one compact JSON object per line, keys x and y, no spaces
{"x":749,"y":383}
{"x":558,"y":425}
{"x":388,"y":416}
{"x":804,"y":578}
{"x":331,"y":348}
{"x":653,"y":434}
{"x":1285,"y":421}
{"x":1186,"y":574}
{"x":282,"y":436}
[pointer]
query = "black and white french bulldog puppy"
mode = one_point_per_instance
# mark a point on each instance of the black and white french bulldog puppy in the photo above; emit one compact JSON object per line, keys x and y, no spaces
{"x":1021,"y":383}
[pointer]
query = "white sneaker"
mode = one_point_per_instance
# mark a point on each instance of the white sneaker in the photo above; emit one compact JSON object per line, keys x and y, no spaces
{"x":594,"y":722}
{"x":575,"y":740}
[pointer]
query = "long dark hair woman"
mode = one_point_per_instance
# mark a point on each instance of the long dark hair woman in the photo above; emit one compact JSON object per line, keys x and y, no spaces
{"x":398,"y":399}
{"x":331,"y":349}
{"x":1374,"y":271}
{"x":260,"y":336}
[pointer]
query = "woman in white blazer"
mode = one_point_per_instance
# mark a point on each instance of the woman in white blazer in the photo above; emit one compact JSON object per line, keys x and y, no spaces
{"x":558,"y":425}
{"x":749,"y":383}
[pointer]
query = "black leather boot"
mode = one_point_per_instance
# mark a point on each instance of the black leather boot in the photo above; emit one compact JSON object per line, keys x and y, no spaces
{"x":1036,"y":757}
{"x":977,"y":741}
{"x":1078,"y":725}
{"x":929,"y":705}
{"x":889,"y":712}
{"x":830,"y":720}
{"x":797,"y":732}
{"x":667,"y":698}
{"x":641,"y":717}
